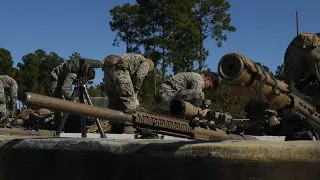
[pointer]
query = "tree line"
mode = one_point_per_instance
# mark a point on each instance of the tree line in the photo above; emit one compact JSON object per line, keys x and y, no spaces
{"x":35,"y":67}
{"x":171,"y":33}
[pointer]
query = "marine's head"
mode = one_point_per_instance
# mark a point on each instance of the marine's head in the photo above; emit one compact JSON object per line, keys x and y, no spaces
{"x":211,"y":80}
{"x":151,"y":65}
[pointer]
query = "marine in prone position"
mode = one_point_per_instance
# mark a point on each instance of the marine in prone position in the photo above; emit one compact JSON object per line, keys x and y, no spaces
{"x":186,"y":86}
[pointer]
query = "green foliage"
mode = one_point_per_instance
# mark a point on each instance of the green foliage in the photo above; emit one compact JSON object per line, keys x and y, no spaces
{"x":173,"y":31}
{"x":213,"y":21}
{"x":146,"y":94}
{"x":34,"y":69}
{"x":266,"y":68}
{"x":97,"y":90}
{"x":125,"y":20}
{"x":6,"y":62}
{"x":227,"y":99}
{"x":75,"y":55}
{"x":279,"y":74}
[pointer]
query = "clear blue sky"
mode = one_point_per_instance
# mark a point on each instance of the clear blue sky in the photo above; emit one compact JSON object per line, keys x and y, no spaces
{"x":264,"y":28}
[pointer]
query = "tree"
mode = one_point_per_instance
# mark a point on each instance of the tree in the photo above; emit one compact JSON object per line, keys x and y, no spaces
{"x":227,"y":99}
{"x":171,"y":33}
{"x":157,"y":25}
{"x":125,"y":20}
{"x":213,"y":21}
{"x":34,"y":69}
{"x":50,"y":61}
{"x":280,"y":75}
{"x":266,"y":68}
{"x":97,"y":90}
{"x":184,"y":40}
{"x":6,"y":62}
{"x":175,"y":30}
{"x":146,"y":95}
{"x":75,"y":55}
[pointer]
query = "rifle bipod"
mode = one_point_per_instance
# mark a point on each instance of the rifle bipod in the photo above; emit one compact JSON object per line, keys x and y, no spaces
{"x":85,"y":99}
{"x":144,"y":133}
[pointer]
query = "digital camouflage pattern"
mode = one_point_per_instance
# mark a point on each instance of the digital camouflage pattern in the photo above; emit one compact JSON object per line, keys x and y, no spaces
{"x":63,"y":76}
{"x":123,"y":76}
{"x":302,"y":60}
{"x":7,"y":83}
{"x":185,"y":86}
{"x":60,"y":82}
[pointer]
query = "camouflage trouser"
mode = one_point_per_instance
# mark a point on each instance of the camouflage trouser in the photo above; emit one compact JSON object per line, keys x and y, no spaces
{"x":119,"y":89}
{"x":61,"y":87}
{"x":300,"y":63}
{"x":166,"y":94}
{"x":3,"y":107}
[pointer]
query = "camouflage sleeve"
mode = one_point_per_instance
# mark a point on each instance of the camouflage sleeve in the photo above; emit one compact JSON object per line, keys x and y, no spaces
{"x":93,"y":63}
{"x":14,"y":91}
{"x":2,"y":93}
{"x":141,"y":73}
{"x":67,"y":85}
{"x":197,"y":82}
{"x":13,"y":94}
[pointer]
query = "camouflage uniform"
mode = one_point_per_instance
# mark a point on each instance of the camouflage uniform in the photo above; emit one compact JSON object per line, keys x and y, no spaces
{"x":63,"y":76}
{"x":302,"y":60}
{"x":186,"y":86}
{"x":60,"y":83}
{"x":123,"y":76}
{"x":8,"y":83}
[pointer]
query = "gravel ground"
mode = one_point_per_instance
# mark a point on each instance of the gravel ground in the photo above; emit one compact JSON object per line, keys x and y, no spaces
{"x":131,"y":136}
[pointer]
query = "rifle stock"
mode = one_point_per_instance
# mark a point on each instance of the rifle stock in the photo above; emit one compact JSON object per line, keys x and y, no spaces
{"x":162,"y":124}
{"x":238,"y":71}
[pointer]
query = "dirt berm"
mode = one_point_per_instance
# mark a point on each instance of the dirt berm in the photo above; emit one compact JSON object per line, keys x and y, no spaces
{"x":76,"y":158}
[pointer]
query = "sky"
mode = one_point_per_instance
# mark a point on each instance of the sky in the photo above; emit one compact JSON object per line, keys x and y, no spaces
{"x":264,"y":28}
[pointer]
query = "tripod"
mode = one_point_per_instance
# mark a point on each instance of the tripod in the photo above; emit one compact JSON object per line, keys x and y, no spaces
{"x":85,"y":99}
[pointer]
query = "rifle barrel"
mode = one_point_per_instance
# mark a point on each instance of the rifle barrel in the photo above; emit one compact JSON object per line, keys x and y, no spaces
{"x":162,"y":124}
{"x":75,"y":108}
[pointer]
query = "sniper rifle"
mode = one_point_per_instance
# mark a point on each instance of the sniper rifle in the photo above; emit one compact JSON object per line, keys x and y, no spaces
{"x":161,"y":124}
{"x":299,"y":118}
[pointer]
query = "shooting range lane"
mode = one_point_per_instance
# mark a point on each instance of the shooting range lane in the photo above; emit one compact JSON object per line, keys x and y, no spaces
{"x":79,"y":158}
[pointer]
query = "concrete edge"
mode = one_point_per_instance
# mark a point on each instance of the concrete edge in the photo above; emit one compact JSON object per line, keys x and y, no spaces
{"x":289,"y":151}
